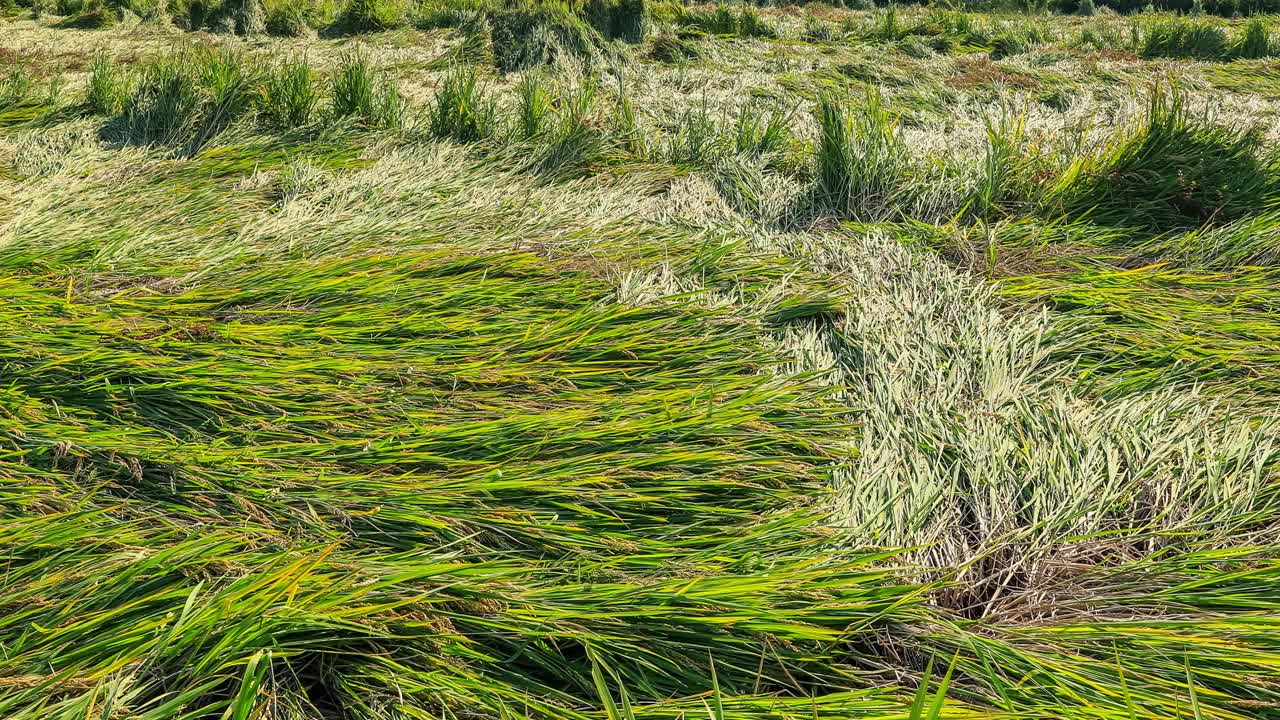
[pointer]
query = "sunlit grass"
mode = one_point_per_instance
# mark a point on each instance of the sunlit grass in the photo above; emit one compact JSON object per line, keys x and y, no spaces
{"x":612,"y":360}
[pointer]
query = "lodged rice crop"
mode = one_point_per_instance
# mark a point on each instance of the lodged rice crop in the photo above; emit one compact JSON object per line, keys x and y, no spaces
{"x":636,"y":360}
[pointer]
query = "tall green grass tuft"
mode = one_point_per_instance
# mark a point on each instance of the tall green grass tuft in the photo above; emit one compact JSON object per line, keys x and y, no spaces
{"x":1173,"y":170}
{"x":1253,"y":42}
{"x":108,"y":86}
{"x":193,"y":95}
{"x":884,"y":25}
{"x":528,"y":34}
{"x":228,"y":82}
{"x":1109,"y":37}
{"x":577,"y":141}
{"x":185,"y":98}
{"x":374,"y":15}
{"x":862,"y":165}
{"x":954,"y":31}
{"x":817,"y":30}
{"x":742,"y":21}
{"x":363,"y":94}
{"x":92,"y":15}
{"x":461,"y":14}
{"x":15,"y":86}
{"x":1014,"y":37}
{"x":1181,"y":37}
{"x":759,"y":134}
{"x":462,"y":109}
{"x":698,"y":140}
{"x":1003,"y":166}
{"x":625,"y":20}
{"x":289,"y":96}
{"x":244,"y":17}
{"x":672,"y":49}
{"x":287,"y":20}
{"x":165,"y":105}
{"x":533,"y":107}
{"x":241,"y":17}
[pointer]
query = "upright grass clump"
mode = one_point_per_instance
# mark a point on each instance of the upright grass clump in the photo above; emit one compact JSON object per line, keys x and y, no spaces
{"x":108,"y":86}
{"x":752,"y":24}
{"x":630,"y":135}
{"x":53,"y":92}
{"x":758,"y":134}
{"x":363,"y":94}
{"x":624,"y":20}
{"x":1104,"y":37}
{"x":863,"y":167}
{"x":228,"y":84}
{"x":817,"y":30}
{"x":1254,"y":41}
{"x":1171,"y":171}
{"x":289,"y":97}
{"x":1017,"y":37}
{"x":246,"y":18}
{"x":577,"y":142}
{"x":462,"y":109}
{"x":453,"y":13}
{"x":1179,"y":37}
{"x":722,"y":21}
{"x":192,"y":14}
{"x":725,"y":20}
{"x":374,"y":15}
{"x":533,"y":105}
{"x":15,"y":86}
{"x":999,"y":174}
{"x":287,"y":19}
{"x":91,"y":15}
{"x":164,"y":107}
{"x":950,"y":30}
{"x":673,"y":49}
{"x":528,"y":34}
{"x":697,"y":141}
{"x":835,"y":153}
{"x":187,"y":97}
{"x":885,"y":26}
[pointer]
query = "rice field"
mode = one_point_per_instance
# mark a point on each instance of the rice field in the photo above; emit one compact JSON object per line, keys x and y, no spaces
{"x":620,"y":359}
